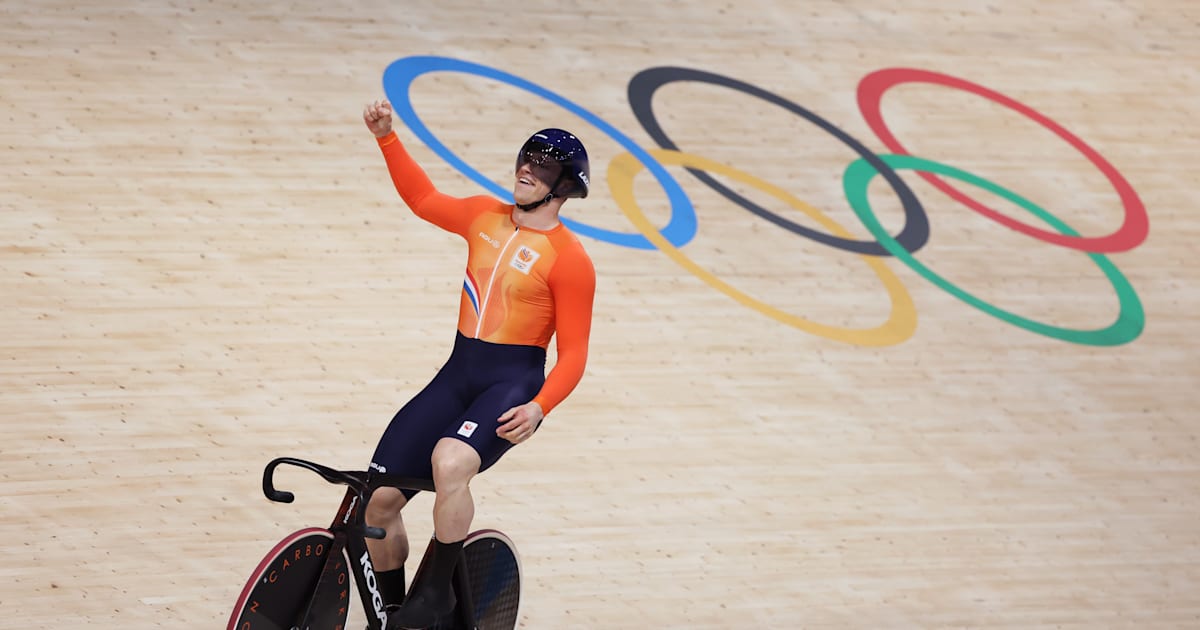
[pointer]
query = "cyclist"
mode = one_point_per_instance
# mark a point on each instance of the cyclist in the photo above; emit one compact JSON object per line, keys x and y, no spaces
{"x":527,"y":279}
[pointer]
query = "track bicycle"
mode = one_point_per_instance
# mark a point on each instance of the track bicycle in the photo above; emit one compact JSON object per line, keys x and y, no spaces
{"x":303,"y":582}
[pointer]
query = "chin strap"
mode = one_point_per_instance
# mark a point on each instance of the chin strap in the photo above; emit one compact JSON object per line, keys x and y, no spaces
{"x":537,"y":204}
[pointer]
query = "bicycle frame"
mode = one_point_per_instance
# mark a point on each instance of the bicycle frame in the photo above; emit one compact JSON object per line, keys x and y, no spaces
{"x":350,"y":531}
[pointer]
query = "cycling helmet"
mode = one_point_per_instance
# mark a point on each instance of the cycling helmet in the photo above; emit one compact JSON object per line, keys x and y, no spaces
{"x":559,"y":159}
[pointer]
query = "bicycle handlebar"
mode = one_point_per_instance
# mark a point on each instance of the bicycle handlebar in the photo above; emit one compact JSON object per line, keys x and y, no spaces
{"x":359,"y":480}
{"x":356,"y":480}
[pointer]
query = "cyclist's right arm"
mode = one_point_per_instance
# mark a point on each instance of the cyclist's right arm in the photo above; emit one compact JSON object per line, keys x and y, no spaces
{"x":449,"y":213}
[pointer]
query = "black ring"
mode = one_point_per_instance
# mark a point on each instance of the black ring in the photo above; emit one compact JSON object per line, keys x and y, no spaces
{"x":916,"y":222}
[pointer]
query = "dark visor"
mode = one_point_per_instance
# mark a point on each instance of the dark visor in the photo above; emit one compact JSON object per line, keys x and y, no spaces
{"x":542,"y":160}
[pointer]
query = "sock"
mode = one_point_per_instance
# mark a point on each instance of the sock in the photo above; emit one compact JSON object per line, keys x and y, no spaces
{"x":432,"y":594}
{"x":445,"y":558}
{"x":391,"y":585}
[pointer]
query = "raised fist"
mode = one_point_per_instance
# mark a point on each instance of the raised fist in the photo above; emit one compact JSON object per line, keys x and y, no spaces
{"x":378,"y":116}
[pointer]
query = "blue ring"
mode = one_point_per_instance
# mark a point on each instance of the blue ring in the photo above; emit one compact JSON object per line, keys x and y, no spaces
{"x":679,"y":231}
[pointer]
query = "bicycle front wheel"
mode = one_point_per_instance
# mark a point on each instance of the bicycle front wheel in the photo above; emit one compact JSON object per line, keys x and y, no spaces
{"x":283,"y":590}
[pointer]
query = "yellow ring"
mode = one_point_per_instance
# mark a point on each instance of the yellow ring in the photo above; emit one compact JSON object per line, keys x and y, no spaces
{"x":902,"y":321}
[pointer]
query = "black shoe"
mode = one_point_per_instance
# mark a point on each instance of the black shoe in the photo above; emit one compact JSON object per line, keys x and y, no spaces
{"x":420,"y":612}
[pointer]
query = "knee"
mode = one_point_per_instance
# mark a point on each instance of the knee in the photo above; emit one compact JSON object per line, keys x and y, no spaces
{"x":454,"y":463}
{"x":385,"y":505}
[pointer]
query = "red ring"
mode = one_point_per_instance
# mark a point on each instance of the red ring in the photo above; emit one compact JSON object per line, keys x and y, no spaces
{"x":1131,"y":233}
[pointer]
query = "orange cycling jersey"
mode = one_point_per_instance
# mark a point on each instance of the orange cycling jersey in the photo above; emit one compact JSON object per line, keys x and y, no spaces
{"x":522,"y":286}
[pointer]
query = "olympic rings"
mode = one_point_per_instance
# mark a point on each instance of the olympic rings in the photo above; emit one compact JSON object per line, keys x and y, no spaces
{"x":1131,"y":233}
{"x":1130,"y":321}
{"x":900,"y":323}
{"x":682,"y":225}
{"x":398,"y":76}
{"x":641,"y":95}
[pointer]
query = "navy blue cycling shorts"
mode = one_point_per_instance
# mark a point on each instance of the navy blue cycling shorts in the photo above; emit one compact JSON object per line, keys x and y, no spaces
{"x":479,"y":382}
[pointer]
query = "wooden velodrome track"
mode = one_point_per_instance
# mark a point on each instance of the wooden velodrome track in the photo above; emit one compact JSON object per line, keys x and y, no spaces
{"x":204,"y":266}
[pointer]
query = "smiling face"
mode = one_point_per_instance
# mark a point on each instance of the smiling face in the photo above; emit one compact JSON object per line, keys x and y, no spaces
{"x":536,"y":173}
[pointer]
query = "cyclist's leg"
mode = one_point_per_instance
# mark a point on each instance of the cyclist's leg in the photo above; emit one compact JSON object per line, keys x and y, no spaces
{"x":383,"y":511}
{"x":455,"y":463}
{"x":471,"y":447}
{"x":467,"y":448}
{"x":389,"y":554}
{"x":404,"y":449}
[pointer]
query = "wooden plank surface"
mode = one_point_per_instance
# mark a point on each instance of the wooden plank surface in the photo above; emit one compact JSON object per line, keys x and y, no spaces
{"x":205,"y":266}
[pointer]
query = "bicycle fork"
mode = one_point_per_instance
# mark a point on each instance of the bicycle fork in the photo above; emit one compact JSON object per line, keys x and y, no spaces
{"x":332,"y":589}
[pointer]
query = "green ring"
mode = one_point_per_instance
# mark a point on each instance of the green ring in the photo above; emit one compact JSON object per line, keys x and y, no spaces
{"x":1130,"y":322}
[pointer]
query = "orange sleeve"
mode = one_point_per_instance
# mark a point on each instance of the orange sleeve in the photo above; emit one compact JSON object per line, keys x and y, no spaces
{"x":415,"y":188}
{"x":573,"y":284}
